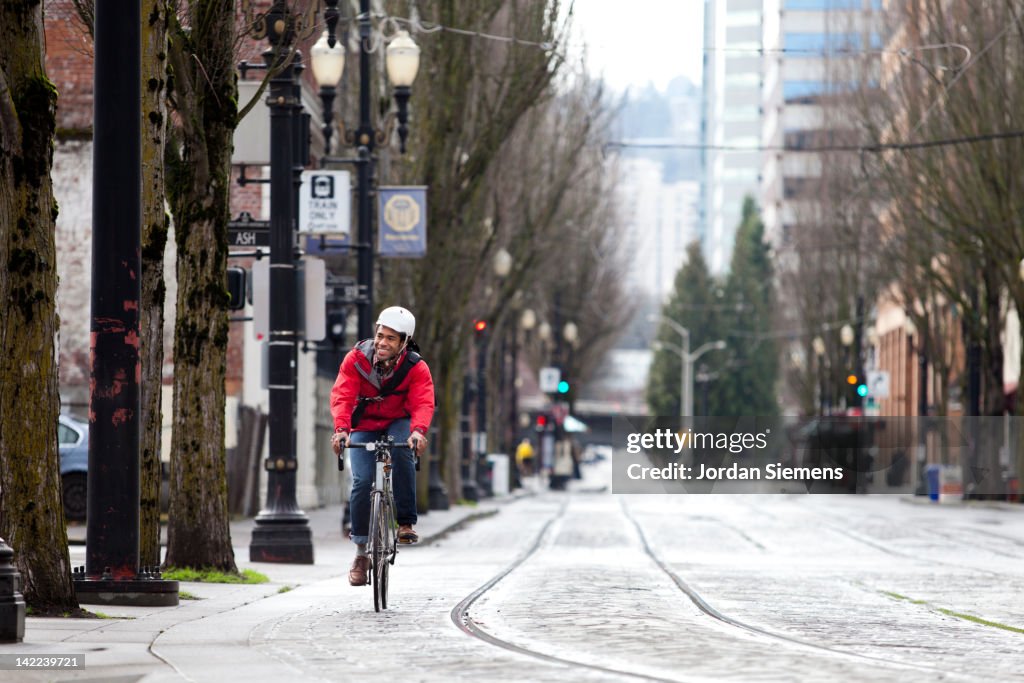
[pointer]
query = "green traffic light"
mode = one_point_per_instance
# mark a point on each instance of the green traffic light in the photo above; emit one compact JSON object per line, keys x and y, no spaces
{"x":862,"y":390}
{"x":563,"y":387}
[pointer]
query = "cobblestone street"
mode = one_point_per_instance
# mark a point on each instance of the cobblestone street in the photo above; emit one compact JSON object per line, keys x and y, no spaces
{"x":588,"y":586}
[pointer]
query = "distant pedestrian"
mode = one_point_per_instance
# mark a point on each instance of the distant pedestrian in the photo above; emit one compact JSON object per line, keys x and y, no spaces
{"x":525,"y":458}
{"x":383,"y":389}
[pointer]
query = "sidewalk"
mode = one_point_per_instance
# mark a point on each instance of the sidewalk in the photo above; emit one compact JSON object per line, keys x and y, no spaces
{"x":119,"y":646}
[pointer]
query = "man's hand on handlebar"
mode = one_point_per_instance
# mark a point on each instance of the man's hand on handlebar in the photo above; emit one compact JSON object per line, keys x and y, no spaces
{"x":417,"y":443}
{"x":339,"y":441}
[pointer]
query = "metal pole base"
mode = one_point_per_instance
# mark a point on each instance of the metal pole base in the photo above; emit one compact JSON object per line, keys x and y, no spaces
{"x":145,"y":590}
{"x":470,"y":491}
{"x":286,"y":542}
{"x":12,"y":603}
{"x":483,"y":477}
{"x":437,"y":493}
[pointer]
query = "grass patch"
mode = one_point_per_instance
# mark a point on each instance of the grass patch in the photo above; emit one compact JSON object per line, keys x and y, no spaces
{"x":102,"y":615}
{"x":79,"y":613}
{"x":185,"y":595}
{"x":213,"y":576}
{"x":897,"y":596}
{"x":465,"y":501}
{"x":283,"y":589}
{"x":954,"y":614}
{"x":979,"y":620}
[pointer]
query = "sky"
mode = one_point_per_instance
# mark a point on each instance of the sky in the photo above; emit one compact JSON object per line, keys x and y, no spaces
{"x":641,"y":41}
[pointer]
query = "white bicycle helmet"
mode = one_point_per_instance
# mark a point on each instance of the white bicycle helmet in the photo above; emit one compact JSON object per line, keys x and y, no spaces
{"x":399,"y":319}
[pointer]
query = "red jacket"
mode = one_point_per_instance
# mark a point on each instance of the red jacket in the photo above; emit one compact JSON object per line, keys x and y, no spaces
{"x":414,"y":398}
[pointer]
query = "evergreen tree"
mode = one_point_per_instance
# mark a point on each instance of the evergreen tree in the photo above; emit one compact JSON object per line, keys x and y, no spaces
{"x":693,"y":305}
{"x":747,"y":388}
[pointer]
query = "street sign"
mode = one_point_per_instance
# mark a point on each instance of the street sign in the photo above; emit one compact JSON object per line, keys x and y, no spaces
{"x":324,"y":203}
{"x":245,"y":232}
{"x":548,"y":379}
{"x":878,"y":383}
{"x":251,"y":237}
{"x":310,"y":294}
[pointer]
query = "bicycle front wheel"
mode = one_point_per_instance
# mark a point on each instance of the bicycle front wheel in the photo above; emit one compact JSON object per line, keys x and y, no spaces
{"x":379,"y":551}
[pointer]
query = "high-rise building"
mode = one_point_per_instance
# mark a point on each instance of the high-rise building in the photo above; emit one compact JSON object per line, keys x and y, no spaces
{"x":767,"y":66}
{"x":805,"y":43}
{"x":733,"y":76}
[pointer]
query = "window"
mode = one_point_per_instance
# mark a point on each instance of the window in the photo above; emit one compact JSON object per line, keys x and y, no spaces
{"x":795,"y":187}
{"x":66,"y":435}
{"x":804,"y":45}
{"x":803,"y":92}
{"x":824,"y":4}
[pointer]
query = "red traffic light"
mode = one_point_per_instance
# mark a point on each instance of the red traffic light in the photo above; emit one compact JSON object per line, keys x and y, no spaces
{"x":480,"y":325}
{"x":542,"y":420}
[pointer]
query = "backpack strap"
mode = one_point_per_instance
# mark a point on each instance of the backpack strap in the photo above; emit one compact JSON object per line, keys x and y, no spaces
{"x":389,"y":388}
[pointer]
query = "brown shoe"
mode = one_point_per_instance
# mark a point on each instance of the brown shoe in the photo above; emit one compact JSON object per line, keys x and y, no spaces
{"x":406,"y":534}
{"x":357,"y":574}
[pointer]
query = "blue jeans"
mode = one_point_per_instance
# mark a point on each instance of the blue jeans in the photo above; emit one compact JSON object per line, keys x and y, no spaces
{"x":364,"y":465}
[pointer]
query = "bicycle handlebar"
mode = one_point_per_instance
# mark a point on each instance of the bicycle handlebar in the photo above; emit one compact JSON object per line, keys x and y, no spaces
{"x":389,"y":444}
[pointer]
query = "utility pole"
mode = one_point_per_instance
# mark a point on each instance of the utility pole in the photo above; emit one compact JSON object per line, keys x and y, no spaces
{"x":112,"y":574}
{"x":364,"y":172}
{"x":282,"y":532}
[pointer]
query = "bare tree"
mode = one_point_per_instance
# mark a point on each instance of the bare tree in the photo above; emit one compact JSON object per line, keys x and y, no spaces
{"x":155,"y":225}
{"x":202,"y":60}
{"x":31,"y":515}
{"x":479,"y":91}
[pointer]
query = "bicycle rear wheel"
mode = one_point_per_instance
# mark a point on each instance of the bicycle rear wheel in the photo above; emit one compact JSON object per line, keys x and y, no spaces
{"x":379,"y":552}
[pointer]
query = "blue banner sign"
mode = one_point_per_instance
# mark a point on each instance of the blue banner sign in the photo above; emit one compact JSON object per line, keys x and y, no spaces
{"x":402,"y":221}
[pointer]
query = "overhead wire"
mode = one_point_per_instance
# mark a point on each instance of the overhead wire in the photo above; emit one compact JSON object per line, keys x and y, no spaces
{"x":877,"y":147}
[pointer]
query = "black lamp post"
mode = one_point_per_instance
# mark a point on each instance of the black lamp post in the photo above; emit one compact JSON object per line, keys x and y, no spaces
{"x":112,"y":574}
{"x":402,"y":59}
{"x":282,"y":532}
{"x":818,"y":346}
{"x":921,"y":458}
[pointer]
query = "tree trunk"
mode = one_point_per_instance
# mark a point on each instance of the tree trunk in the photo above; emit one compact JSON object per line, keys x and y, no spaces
{"x":154,"y":243}
{"x":198,"y":534}
{"x":31,"y":515}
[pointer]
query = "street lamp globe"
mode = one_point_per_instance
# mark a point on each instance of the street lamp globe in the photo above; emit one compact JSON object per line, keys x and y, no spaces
{"x":846,"y":335}
{"x":402,"y":60}
{"x":872,"y":336}
{"x":528,"y":319}
{"x":544,"y":331}
{"x":328,"y":62}
{"x":502,"y":262}
{"x":818,"y":344}
{"x":570,"y":332}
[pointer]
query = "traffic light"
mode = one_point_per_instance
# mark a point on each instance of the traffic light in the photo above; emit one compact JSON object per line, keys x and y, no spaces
{"x":542,"y":422}
{"x":862,"y":390}
{"x":563,"y":387}
{"x":851,"y":379}
{"x":479,"y":327}
{"x":236,"y":288}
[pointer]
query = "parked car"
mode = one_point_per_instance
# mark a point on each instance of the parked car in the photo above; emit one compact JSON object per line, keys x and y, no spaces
{"x":73,"y":441}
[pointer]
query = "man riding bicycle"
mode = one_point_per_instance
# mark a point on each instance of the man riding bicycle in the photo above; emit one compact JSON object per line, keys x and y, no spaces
{"x":383,"y":389}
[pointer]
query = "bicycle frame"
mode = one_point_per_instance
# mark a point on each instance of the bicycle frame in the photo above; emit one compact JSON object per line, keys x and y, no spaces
{"x":382,"y":544}
{"x":382,"y":540}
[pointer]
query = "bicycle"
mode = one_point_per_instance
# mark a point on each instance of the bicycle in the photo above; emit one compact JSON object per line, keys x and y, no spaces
{"x":382,"y":544}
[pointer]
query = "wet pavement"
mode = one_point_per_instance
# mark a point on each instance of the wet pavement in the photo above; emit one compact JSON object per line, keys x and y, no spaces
{"x":588,"y":586}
